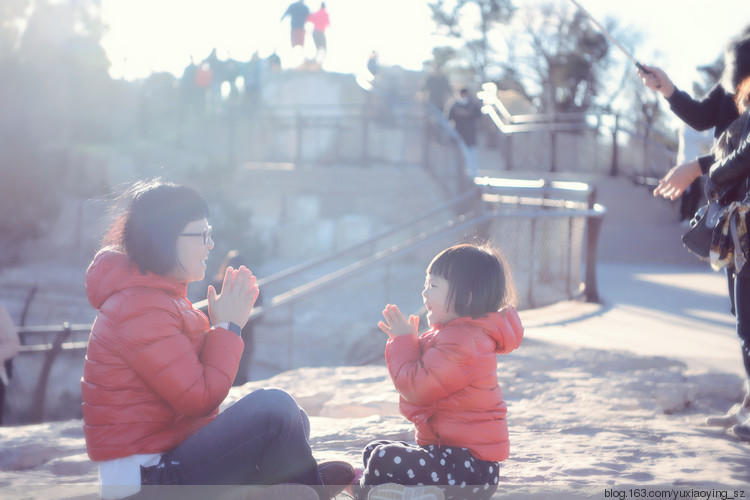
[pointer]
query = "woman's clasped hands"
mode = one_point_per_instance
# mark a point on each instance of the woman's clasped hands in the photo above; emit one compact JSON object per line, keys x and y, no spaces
{"x":239,"y":292}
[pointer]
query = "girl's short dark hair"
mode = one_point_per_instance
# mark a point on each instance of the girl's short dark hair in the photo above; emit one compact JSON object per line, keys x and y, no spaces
{"x":478,"y":277}
{"x":156,"y":214}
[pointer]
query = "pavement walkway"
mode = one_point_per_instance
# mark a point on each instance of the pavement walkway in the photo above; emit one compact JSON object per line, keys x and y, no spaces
{"x":672,"y":311}
{"x":657,"y":298}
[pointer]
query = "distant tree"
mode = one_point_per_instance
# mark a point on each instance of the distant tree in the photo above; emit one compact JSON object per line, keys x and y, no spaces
{"x":29,"y":200}
{"x":442,"y":56}
{"x":55,"y":93}
{"x":61,"y":43}
{"x":560,"y":58}
{"x":472,"y":22}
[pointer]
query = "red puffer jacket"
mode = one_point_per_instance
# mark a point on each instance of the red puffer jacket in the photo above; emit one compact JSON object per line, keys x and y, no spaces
{"x":448,"y":382}
{"x":154,"y":373}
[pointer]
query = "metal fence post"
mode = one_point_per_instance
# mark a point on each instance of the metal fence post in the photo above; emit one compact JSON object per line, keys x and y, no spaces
{"x":593,"y":229}
{"x":40,"y":393}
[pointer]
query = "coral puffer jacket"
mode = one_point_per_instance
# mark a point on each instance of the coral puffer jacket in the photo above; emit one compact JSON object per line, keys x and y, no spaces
{"x":154,"y":373}
{"x":448,"y":382}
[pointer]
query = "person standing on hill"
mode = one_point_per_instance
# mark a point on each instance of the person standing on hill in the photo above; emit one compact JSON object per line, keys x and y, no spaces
{"x":297,"y":13}
{"x":437,"y":87}
{"x":464,"y":113}
{"x":320,"y":22}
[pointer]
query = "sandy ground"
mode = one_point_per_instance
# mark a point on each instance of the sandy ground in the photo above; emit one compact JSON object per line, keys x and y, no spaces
{"x":604,"y":400}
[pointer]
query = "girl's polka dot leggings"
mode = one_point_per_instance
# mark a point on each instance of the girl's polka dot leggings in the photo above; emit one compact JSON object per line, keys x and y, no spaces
{"x":455,"y":470}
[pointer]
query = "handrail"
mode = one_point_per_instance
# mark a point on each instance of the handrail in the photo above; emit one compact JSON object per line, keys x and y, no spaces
{"x":544,"y":187}
{"x":508,"y":123}
{"x":75,"y":328}
{"x":305,"y":266}
{"x":450,"y":227}
{"x":532,"y":126}
{"x":364,"y":264}
{"x":65,"y":328}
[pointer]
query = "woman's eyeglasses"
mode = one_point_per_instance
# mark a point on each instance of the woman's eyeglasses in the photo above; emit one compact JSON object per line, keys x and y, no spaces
{"x":207,"y":235}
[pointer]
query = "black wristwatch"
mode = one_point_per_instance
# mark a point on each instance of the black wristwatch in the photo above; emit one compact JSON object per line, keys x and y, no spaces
{"x":234,"y":327}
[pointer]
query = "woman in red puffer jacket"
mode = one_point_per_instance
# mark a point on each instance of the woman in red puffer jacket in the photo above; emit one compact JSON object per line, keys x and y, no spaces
{"x":156,"y":371}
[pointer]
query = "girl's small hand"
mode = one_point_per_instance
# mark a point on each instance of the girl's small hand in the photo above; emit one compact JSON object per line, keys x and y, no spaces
{"x":237,"y":298}
{"x":396,"y":324}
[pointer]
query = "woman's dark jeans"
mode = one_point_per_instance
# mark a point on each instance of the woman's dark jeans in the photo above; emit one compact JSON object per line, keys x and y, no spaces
{"x":739,"y":293}
{"x":261,"y":439}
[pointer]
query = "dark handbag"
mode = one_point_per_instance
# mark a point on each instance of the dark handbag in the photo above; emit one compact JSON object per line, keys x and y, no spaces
{"x":699,"y":236}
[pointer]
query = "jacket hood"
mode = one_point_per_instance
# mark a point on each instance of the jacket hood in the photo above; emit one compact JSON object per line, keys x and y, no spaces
{"x":112,"y":271}
{"x":504,"y":327}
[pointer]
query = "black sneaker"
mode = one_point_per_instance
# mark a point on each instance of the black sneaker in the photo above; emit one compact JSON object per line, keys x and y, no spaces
{"x":336,"y":477}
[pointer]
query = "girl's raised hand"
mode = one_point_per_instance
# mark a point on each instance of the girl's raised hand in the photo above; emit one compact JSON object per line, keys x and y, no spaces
{"x":237,"y":298}
{"x":396,"y":324}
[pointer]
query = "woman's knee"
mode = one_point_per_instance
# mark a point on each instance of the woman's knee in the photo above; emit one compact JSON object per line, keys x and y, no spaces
{"x":271,"y":405}
{"x":269,"y":399}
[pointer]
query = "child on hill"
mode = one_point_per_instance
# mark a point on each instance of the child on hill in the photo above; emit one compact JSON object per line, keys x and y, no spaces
{"x":447,"y":381}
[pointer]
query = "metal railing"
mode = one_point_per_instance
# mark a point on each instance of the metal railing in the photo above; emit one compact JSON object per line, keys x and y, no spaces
{"x":581,"y":135}
{"x":463,"y":203}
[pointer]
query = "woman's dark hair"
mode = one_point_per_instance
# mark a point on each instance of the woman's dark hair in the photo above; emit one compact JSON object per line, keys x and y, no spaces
{"x":736,"y":63}
{"x":156,"y":214}
{"x":478,"y":277}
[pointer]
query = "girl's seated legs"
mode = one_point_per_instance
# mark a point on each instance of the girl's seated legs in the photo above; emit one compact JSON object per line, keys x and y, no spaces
{"x":456,"y":470}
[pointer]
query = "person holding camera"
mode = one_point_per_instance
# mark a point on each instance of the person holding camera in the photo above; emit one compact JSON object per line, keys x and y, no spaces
{"x":728,"y":172}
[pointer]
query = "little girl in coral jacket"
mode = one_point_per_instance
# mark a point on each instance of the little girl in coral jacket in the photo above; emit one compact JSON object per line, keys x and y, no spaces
{"x":447,"y":379}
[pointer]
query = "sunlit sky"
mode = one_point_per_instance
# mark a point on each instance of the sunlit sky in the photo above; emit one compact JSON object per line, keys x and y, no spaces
{"x":162,"y":35}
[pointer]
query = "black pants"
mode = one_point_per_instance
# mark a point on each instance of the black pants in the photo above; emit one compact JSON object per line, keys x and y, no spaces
{"x":739,"y":293}
{"x":455,"y":470}
{"x":2,"y":401}
{"x":261,"y":439}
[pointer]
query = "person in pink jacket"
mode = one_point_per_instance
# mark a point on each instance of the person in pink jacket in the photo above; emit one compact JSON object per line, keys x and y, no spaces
{"x":320,"y":22}
{"x":447,"y":381}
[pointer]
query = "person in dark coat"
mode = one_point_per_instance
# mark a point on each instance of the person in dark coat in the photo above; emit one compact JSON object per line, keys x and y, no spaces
{"x":297,"y":13}
{"x":464,"y":112}
{"x":728,"y":173}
